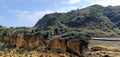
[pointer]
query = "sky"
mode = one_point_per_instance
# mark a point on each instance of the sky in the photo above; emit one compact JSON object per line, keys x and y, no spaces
{"x":27,"y":12}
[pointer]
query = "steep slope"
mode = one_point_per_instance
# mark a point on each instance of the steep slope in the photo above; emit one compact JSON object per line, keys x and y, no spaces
{"x":92,"y":17}
{"x":53,"y":19}
{"x":113,"y":13}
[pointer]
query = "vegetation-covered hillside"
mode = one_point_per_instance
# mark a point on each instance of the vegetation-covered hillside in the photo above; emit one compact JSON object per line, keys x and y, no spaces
{"x":94,"y":19}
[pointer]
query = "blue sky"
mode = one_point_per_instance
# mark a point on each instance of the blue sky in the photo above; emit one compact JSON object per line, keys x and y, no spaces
{"x":27,"y":12}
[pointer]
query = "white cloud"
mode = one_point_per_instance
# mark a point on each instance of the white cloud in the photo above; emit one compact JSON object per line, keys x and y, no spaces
{"x":105,"y":2}
{"x":73,"y":1}
{"x":32,"y":17}
{"x":65,"y":9}
{"x":28,"y":18}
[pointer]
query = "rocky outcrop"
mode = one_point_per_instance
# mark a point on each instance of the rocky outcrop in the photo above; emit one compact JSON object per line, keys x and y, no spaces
{"x":57,"y":44}
{"x":103,"y":48}
{"x":76,"y":48}
{"x":70,"y":46}
{"x":70,"y":43}
{"x":20,"y":42}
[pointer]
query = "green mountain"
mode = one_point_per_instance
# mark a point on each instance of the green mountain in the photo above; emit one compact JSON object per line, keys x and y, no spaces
{"x":92,"y":19}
